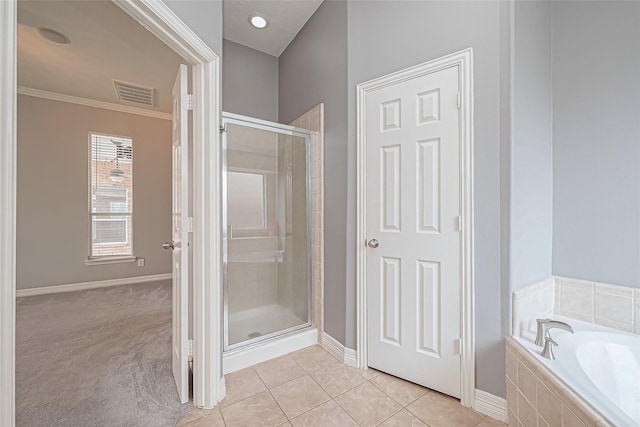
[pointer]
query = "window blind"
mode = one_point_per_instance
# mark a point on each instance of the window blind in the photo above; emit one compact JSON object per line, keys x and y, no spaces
{"x":110,"y":195}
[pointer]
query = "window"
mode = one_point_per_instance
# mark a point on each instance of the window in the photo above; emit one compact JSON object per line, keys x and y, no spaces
{"x":246,"y":200}
{"x":110,"y":196}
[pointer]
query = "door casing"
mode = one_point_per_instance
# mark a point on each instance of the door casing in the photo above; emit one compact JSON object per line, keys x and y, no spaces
{"x":464,"y":60}
{"x":208,"y":382}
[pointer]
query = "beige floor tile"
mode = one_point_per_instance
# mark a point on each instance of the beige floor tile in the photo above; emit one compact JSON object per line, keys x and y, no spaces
{"x":299,"y":396}
{"x":259,"y":410}
{"x":241,"y":385}
{"x":403,"y":418}
{"x":326,"y":415}
{"x":212,"y":419}
{"x":369,"y":373}
{"x":367,"y":405}
{"x":492,"y":422}
{"x":312,"y":357}
{"x":438,"y":410}
{"x":194,"y":414}
{"x":279,"y":371}
{"x":336,"y":378}
{"x":400,"y":390}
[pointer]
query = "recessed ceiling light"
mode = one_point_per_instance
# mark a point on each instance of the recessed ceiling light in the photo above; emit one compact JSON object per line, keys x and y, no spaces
{"x":53,"y":35}
{"x":258,"y":21}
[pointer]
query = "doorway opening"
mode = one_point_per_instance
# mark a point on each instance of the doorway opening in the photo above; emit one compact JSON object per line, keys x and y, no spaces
{"x":162,"y":23}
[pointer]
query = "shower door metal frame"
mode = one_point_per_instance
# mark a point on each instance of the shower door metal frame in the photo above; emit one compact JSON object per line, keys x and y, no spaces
{"x":265,"y":125}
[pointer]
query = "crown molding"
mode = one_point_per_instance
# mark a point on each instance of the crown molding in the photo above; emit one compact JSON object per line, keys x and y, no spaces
{"x":37,"y":93}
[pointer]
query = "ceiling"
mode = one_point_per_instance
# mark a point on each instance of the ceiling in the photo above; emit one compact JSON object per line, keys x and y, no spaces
{"x":106,"y":45}
{"x":286,"y":18}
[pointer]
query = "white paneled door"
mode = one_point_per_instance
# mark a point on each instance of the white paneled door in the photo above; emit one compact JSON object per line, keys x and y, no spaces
{"x":413,"y":208}
{"x":180,"y":236}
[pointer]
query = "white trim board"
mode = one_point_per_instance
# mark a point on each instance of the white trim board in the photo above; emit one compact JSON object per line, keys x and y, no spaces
{"x":8,"y":149}
{"x":340,"y":352}
{"x":82,"y":286}
{"x":464,"y":60}
{"x":242,"y":358}
{"x":493,"y":406}
{"x":37,"y":93}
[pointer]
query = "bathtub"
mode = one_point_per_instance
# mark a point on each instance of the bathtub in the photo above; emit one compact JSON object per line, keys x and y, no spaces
{"x":599,"y":364}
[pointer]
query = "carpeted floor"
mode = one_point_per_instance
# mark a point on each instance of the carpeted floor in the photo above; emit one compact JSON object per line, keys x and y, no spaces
{"x":97,"y":358}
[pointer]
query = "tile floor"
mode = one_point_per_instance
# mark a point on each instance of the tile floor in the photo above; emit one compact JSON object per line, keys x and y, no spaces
{"x":312,"y":388}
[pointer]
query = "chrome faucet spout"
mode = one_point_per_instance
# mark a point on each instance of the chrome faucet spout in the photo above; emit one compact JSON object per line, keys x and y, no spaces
{"x":544,"y":325}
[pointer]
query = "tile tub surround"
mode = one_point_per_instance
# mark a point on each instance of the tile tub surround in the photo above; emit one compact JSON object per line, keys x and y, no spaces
{"x":616,"y":307}
{"x":530,"y":303}
{"x":534,"y":394}
{"x":536,"y":397}
{"x":312,"y":388}
{"x":314,"y":120}
{"x":613,"y":306}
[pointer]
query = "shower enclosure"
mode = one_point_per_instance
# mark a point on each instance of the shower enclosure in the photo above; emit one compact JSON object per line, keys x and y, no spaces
{"x":266,"y":247}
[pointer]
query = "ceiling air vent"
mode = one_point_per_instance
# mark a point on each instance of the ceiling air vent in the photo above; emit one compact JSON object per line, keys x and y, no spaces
{"x":137,"y":94}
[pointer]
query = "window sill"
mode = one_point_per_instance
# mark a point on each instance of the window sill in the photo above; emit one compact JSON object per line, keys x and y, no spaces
{"x":109,"y":260}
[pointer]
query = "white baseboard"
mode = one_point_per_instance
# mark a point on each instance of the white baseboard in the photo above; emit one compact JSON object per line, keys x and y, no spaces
{"x":243,"y":358}
{"x":333,"y":346}
{"x":90,"y":285}
{"x":351,"y":357}
{"x":493,"y":406}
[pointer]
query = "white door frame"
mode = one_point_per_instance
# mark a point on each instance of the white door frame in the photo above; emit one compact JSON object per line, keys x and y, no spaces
{"x":208,"y":382}
{"x":464,"y":60}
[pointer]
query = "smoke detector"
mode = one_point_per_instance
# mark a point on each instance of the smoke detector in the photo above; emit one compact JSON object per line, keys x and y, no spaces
{"x":137,"y":94}
{"x":53,"y":35}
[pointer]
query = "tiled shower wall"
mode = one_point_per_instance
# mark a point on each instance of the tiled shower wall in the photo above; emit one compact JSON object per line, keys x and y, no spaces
{"x":314,"y":120}
{"x":254,"y":284}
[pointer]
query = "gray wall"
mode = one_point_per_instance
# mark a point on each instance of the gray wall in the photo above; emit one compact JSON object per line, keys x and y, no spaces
{"x":596,"y":141}
{"x":391,"y":35}
{"x":52,"y":213}
{"x":313,"y":69}
{"x":249,"y":82}
{"x":531,"y":151}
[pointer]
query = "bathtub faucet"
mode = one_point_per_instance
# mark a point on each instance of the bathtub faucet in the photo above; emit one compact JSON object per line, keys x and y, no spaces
{"x":544,"y":325}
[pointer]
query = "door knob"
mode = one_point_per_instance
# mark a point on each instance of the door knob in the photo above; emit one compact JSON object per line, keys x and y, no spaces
{"x":168,"y":245}
{"x":373,"y":243}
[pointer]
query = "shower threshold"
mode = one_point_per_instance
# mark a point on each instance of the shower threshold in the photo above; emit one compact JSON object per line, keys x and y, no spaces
{"x":252,"y":324}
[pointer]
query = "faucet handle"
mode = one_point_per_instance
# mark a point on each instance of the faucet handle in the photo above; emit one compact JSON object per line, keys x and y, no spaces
{"x":541,"y":331}
{"x":547,"y":351}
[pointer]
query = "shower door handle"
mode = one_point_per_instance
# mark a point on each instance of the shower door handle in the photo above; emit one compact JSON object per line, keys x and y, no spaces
{"x":373,"y":243}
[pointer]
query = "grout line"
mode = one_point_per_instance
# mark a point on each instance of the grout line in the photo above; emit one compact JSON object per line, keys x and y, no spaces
{"x":271,"y":394}
{"x":345,"y":411}
{"x":222,"y":416}
{"x":392,"y":415}
{"x":278,"y":403}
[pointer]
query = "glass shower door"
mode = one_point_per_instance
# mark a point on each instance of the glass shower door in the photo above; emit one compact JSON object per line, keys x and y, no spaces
{"x":266,"y":245}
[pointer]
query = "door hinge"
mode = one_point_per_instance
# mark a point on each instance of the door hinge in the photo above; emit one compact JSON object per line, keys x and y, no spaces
{"x":223,"y":128}
{"x":189,"y":101}
{"x":190,"y":350}
{"x":459,"y":222}
{"x":459,"y":100}
{"x":458,"y":346}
